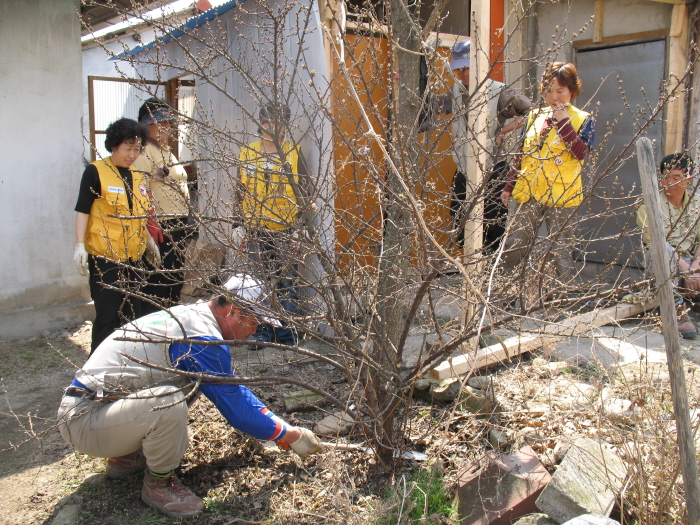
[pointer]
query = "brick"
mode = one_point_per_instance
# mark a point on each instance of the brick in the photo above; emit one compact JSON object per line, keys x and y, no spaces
{"x":503,"y":491}
{"x":586,"y":482}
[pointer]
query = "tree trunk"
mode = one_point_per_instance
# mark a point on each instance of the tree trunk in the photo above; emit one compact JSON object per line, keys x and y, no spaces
{"x":394,"y":260}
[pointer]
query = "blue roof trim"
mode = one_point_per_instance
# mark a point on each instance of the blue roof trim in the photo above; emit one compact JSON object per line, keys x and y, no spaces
{"x":192,"y":23}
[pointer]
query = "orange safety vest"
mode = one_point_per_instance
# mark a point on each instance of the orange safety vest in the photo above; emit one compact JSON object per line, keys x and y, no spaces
{"x":549,"y":173}
{"x":115,"y":238}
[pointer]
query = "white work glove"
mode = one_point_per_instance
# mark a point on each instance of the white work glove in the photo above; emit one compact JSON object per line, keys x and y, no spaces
{"x":152,"y":252}
{"x":307,"y":443}
{"x":80,"y":258}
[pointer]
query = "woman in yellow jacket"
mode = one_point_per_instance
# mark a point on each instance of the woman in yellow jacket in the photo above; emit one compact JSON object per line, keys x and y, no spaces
{"x":545,"y":183}
{"x":109,"y":244}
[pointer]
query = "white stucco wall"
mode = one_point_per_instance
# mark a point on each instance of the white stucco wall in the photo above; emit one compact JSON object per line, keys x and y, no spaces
{"x":41,"y":148}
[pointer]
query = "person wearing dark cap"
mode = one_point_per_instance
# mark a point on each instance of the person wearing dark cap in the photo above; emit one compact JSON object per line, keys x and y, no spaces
{"x":167,"y":182}
{"x":270,"y":169}
{"x":109,"y":245}
{"x":503,"y":104}
{"x":680,"y":210}
{"x":129,"y":402}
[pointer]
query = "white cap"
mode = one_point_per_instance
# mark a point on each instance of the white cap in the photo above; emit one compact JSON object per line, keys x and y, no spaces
{"x":251,"y":295}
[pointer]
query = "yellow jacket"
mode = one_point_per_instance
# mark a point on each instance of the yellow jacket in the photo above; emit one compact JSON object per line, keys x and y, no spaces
{"x":110,"y":237}
{"x":549,"y":172}
{"x":268,"y":198}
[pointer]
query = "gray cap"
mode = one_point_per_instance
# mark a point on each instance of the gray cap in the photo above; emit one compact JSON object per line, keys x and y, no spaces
{"x":460,"y":54}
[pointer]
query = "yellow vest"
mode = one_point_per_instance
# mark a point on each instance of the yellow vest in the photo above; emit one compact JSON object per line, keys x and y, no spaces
{"x":549,"y":173}
{"x":269,"y":198}
{"x":110,"y":237}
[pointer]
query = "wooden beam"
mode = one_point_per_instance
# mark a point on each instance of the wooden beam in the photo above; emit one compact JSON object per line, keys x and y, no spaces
{"x":598,"y":18}
{"x":552,"y":333}
{"x":674,"y":2}
{"x":677,"y":61}
{"x":631,"y":38}
{"x":480,"y":66}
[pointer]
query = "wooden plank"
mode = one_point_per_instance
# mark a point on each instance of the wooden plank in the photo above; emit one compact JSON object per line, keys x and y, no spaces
{"x":629,"y":38}
{"x":598,"y":16}
{"x":489,"y":355}
{"x":584,"y":323}
{"x":677,"y":58}
{"x":669,"y":326}
{"x":517,"y":345}
{"x":674,"y":2}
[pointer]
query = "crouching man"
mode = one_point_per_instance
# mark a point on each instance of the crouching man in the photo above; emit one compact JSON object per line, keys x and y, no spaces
{"x":680,"y":209}
{"x":120,"y":408}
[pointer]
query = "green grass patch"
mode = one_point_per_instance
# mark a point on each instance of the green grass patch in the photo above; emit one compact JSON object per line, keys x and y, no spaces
{"x":418,"y":497}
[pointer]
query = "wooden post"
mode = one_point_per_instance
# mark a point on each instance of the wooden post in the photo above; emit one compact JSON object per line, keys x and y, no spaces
{"x":677,"y":62}
{"x":476,"y":161}
{"x":669,"y":326}
{"x":598,"y":19}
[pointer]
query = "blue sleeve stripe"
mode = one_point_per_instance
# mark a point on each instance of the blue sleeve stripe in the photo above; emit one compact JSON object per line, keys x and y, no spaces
{"x":236,"y":403}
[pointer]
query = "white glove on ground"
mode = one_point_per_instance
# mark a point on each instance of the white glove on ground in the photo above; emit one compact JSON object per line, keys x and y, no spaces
{"x":307,"y":444}
{"x":80,"y":258}
{"x":152,"y":252}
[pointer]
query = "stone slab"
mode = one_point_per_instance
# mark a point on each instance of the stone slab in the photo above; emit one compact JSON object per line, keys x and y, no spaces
{"x":505,"y":490}
{"x":586,"y":482}
{"x":613,"y":346}
{"x":535,"y":519}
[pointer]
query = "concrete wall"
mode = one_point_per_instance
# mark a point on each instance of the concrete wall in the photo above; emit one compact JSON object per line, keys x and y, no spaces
{"x":41,"y":148}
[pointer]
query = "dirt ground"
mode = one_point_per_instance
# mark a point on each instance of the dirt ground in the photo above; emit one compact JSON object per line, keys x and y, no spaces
{"x":40,"y":476}
{"x":243,"y":481}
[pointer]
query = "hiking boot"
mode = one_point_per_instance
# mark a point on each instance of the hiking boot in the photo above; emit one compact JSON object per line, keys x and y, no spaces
{"x":170,"y":496}
{"x":121,"y":467}
{"x":686,"y":327}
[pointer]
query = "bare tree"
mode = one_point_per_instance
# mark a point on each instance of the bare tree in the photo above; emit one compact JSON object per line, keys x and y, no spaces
{"x":374,"y":239}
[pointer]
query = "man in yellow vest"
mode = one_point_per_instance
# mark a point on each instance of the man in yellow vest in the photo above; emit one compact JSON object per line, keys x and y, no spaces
{"x":274,"y":181}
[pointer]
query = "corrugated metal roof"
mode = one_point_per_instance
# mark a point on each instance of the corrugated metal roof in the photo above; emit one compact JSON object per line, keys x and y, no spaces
{"x":97,"y":14}
{"x":192,"y":23}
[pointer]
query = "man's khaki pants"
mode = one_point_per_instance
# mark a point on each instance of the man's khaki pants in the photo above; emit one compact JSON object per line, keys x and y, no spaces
{"x":111,"y":429}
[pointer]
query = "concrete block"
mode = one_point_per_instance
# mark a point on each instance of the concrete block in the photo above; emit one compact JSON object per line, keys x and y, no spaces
{"x":483,"y":382}
{"x":621,"y":411}
{"x":591,"y":519}
{"x":336,"y":424}
{"x":446,"y":390}
{"x":587,"y":482}
{"x":500,"y":439}
{"x":535,"y":519}
{"x":503,"y":491}
{"x":303,"y":401}
{"x":477,"y":401}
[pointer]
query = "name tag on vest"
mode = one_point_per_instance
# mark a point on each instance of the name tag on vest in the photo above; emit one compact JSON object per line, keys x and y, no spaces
{"x":115,"y":189}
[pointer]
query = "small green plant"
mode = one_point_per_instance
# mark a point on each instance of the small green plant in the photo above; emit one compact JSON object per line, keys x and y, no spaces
{"x":422,"y":498}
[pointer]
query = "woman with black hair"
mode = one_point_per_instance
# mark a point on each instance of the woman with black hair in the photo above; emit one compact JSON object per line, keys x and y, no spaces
{"x":109,"y":243}
{"x":166,"y":180}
